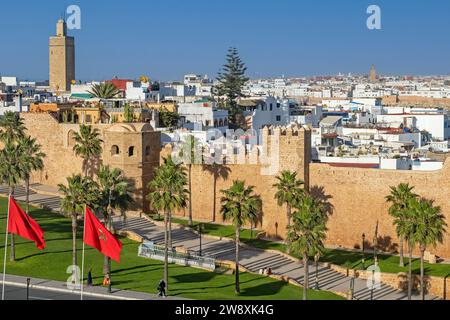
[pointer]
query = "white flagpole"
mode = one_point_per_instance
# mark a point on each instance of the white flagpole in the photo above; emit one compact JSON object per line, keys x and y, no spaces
{"x":82,"y":259}
{"x":6,"y":249}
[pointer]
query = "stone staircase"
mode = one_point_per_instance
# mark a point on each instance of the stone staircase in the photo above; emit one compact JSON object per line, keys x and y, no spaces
{"x":255,"y":259}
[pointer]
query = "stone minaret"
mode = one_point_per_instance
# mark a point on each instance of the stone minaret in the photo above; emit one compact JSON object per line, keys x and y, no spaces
{"x":373,"y":74}
{"x":62,"y":59}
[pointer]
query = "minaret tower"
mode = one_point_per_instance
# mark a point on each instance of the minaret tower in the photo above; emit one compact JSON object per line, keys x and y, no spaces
{"x":373,"y":74}
{"x":62,"y":59}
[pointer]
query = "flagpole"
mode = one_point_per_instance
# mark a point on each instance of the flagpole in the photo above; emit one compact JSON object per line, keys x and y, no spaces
{"x":6,"y":249}
{"x":82,"y":258}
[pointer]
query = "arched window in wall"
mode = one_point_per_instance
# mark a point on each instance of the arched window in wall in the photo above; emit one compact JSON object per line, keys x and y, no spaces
{"x":115,"y":151}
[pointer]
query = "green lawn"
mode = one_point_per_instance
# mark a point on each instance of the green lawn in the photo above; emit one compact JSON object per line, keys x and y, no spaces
{"x":135,"y":273}
{"x":348,"y":259}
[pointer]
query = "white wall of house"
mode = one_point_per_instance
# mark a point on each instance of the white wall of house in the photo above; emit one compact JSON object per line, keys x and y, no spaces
{"x":427,"y":166}
{"x":10,"y":81}
{"x":205,"y":114}
{"x":436,"y":124}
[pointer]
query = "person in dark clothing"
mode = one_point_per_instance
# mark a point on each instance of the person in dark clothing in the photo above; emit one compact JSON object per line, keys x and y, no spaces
{"x":162,"y":289}
{"x":89,"y":278}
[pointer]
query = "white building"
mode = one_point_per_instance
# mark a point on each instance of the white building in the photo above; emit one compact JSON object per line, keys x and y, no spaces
{"x":203,"y":115}
{"x":139,"y":91}
{"x":10,"y":81}
{"x":437,"y":124}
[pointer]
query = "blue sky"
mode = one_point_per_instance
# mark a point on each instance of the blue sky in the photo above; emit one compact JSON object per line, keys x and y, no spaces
{"x":166,"y":39}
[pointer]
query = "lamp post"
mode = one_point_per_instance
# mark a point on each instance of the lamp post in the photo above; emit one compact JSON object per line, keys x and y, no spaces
{"x":373,"y":285}
{"x":363,"y":249}
{"x":200,"y":238}
{"x":28,"y":288}
{"x":109,"y":228}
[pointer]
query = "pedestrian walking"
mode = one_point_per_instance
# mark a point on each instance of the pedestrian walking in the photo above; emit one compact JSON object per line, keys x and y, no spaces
{"x":162,"y":289}
{"x":89,"y":278}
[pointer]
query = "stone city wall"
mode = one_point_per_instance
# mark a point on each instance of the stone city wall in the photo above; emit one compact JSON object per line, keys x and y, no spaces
{"x":358,"y":198}
{"x":208,"y":181}
{"x":133,"y":148}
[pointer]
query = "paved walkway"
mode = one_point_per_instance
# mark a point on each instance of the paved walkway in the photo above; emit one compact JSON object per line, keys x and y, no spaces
{"x":51,"y":202}
{"x":255,"y":259}
{"x":252,"y":259}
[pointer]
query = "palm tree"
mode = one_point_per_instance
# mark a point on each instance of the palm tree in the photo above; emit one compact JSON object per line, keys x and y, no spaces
{"x":12,"y":127}
{"x":399,"y":199}
{"x":428,"y":230}
{"x":11,"y":173}
{"x":167,"y":193}
{"x":190,"y":154}
{"x":106,"y":90}
{"x":88,"y":145}
{"x":405,"y":230}
{"x":114,"y":194}
{"x":32,"y":159}
{"x":217,"y":171}
{"x":307,"y":233}
{"x":240,"y":205}
{"x":289,"y":190}
{"x":79,"y":192}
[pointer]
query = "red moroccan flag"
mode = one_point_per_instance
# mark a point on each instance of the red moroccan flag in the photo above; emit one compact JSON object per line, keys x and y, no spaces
{"x":96,"y":235}
{"x":23,"y":225}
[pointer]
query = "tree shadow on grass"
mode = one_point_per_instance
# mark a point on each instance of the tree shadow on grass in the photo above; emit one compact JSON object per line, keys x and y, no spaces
{"x":194,"y":277}
{"x":116,"y":271}
{"x":124,"y":273}
{"x":265,"y":289}
{"x":229,"y":283}
{"x":40,"y":254}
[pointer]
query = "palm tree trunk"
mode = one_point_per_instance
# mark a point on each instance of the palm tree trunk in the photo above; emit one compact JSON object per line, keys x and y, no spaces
{"x":190,"y":195}
{"x":12,"y":256}
{"x":317,"y":271}
{"x":214,"y":198}
{"x":85,"y":169}
{"x":410,"y":280}
{"x":105,"y":265}
{"x":166,"y":249}
{"x":169,"y":217}
{"x":27,"y":196}
{"x":402,"y":263}
{"x":422,"y":282}
{"x":306,"y":281}
{"x":105,"y":258}
{"x":238,"y":237}
{"x":288,"y":219}
{"x":74,"y":239}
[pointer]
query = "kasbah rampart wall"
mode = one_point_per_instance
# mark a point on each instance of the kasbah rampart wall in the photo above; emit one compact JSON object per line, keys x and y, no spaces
{"x":292,"y":156}
{"x":61,"y":162}
{"x":357,"y":195}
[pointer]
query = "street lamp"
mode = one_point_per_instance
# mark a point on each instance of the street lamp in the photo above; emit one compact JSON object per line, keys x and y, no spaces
{"x":28,"y":288}
{"x":108,"y":222}
{"x":363,"y":248}
{"x":200,"y":238}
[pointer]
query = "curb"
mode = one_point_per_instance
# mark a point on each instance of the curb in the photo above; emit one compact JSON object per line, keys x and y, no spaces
{"x":90,"y":294}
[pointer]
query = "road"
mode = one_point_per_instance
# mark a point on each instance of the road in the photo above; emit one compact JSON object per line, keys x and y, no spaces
{"x":20,"y":293}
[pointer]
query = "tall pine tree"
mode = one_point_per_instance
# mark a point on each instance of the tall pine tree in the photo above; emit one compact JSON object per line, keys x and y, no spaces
{"x":231,"y":82}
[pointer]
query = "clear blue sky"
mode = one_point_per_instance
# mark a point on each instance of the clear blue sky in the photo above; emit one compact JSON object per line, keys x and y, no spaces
{"x":166,"y":39}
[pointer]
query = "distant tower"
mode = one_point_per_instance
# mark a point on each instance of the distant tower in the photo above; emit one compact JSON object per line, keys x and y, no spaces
{"x":62,"y":58}
{"x":373,"y":74}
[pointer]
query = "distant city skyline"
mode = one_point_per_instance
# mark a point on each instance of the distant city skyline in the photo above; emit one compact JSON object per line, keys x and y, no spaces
{"x":167,"y":39}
